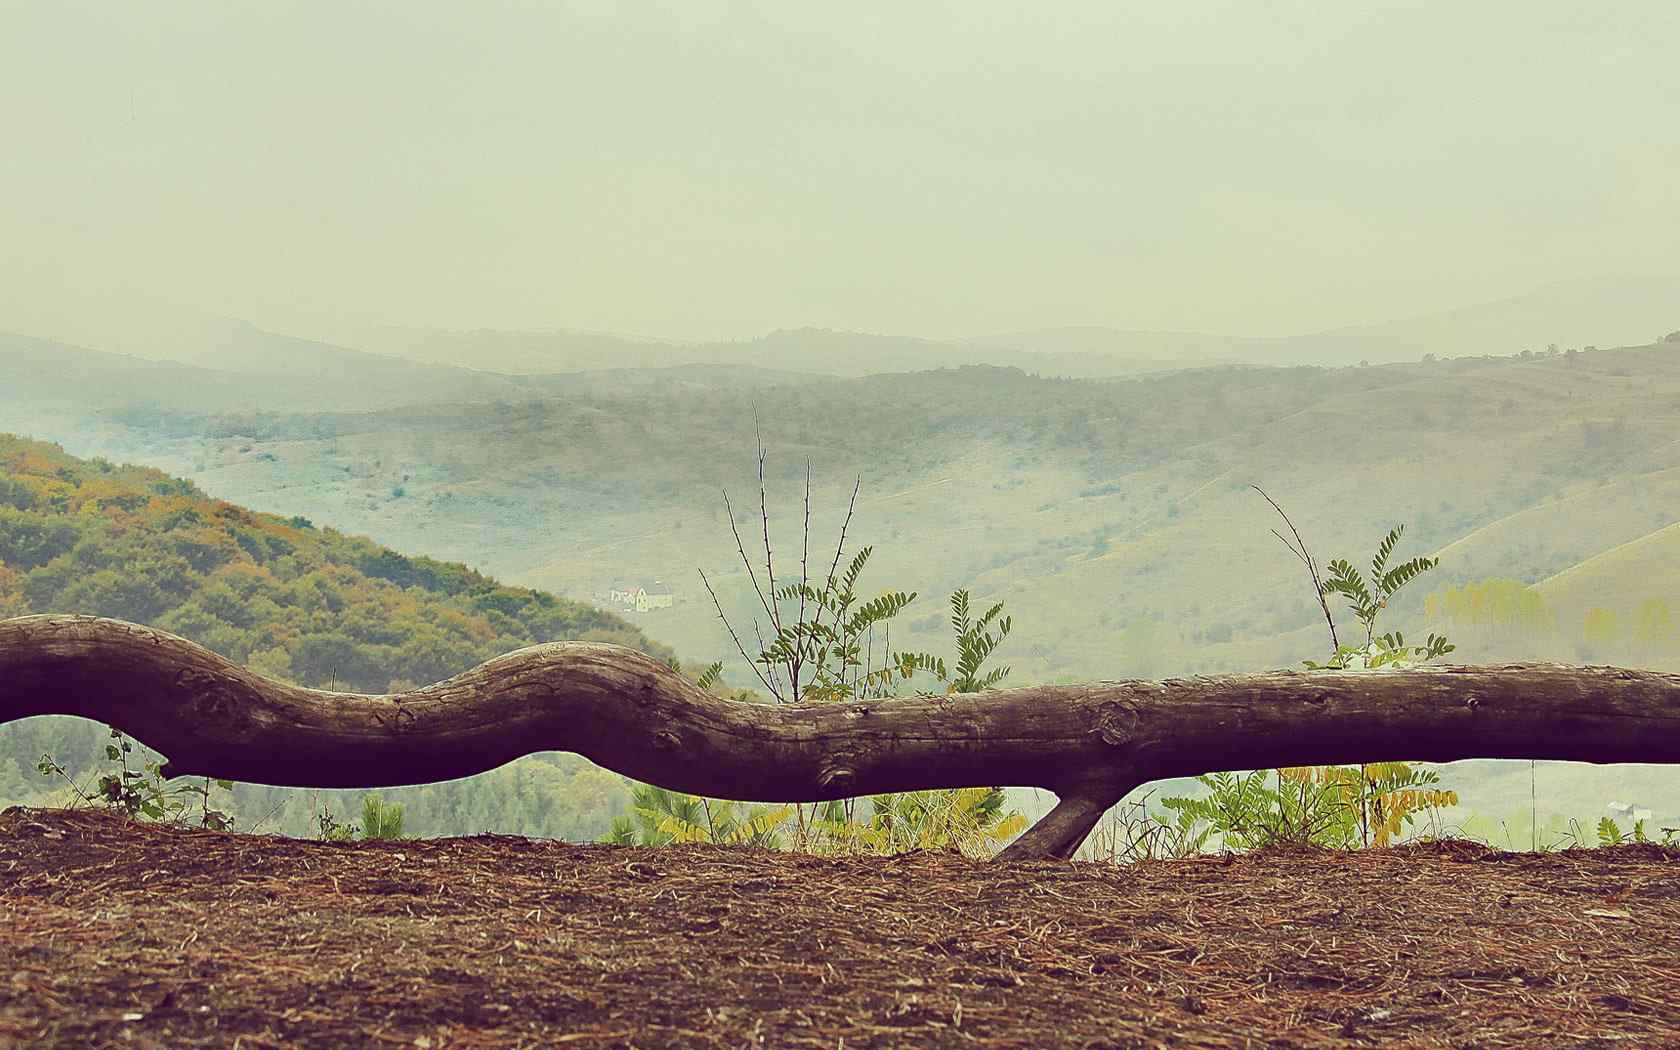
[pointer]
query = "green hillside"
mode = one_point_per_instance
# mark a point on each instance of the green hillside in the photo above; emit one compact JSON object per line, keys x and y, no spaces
{"x":1622,"y":579}
{"x":1618,"y":606}
{"x":288,"y":599}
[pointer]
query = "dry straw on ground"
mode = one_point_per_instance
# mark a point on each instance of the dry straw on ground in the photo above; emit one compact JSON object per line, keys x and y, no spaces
{"x":123,"y":934}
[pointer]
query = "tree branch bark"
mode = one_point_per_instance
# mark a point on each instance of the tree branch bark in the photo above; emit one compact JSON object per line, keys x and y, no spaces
{"x":628,"y":712}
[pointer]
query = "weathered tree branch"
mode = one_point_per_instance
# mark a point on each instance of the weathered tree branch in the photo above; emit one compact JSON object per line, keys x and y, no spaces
{"x":626,"y":711}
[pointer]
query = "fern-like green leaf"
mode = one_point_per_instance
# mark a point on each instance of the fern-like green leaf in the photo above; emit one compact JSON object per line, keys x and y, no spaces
{"x":855,"y":569}
{"x":959,"y":612}
{"x":1404,"y":573}
{"x":1384,"y":549}
{"x":710,"y":676}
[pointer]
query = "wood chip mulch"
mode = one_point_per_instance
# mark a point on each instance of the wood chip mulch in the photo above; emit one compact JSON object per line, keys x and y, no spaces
{"x":114,"y":933}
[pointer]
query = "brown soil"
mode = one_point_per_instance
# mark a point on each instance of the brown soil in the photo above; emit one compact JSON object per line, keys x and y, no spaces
{"x":118,"y":933}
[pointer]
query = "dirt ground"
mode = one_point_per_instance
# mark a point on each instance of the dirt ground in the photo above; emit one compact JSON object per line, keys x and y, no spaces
{"x":124,"y":934}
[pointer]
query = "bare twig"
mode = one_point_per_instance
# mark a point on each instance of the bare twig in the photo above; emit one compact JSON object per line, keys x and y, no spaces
{"x":260,"y":821}
{"x":770,"y":667}
{"x":732,"y":635}
{"x":1299,"y":549}
{"x":774,"y":609}
{"x":804,"y":577}
{"x":741,"y":546}
{"x":851,"y":506}
{"x":711,"y":825}
{"x":84,"y":796}
{"x":764,"y":517}
{"x":868,"y":657}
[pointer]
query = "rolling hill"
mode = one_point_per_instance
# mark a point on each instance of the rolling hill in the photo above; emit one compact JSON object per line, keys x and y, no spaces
{"x":288,"y":599}
{"x":1622,"y":578}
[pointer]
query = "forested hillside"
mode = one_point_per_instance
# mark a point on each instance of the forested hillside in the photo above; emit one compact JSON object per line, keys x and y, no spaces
{"x":286,"y":598}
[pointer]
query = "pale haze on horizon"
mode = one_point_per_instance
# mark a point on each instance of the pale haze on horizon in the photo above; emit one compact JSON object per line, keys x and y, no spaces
{"x":707,"y":170}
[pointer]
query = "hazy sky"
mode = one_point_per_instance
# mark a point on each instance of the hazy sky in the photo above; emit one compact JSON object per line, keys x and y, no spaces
{"x":708,"y":169}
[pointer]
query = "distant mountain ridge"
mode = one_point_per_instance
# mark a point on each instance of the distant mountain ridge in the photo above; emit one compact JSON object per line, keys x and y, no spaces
{"x":386,"y":365}
{"x":267,"y":371}
{"x":1608,"y":312}
{"x":810,"y":351}
{"x":1623,"y":312}
{"x":518,"y":352}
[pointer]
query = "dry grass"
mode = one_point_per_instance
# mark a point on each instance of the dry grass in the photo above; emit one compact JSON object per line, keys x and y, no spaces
{"x":118,"y":933}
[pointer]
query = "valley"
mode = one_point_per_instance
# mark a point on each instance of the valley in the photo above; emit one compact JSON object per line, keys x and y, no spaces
{"x":1115,"y":518}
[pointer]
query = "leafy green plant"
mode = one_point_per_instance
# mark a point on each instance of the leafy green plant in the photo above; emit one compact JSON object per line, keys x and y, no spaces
{"x":1336,"y":806}
{"x":968,"y":820}
{"x":1610,"y":833}
{"x":822,"y":647}
{"x":381,"y":819}
{"x":1367,"y":598}
{"x":975,"y":644}
{"x":832,"y":659}
{"x":660,"y":818}
{"x":329,"y":829}
{"x":1248,"y":811}
{"x":144,"y":793}
{"x":216,"y":819}
{"x":820,"y":635}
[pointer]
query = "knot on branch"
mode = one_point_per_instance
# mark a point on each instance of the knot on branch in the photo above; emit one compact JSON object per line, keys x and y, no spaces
{"x":1116,"y":722}
{"x":217,"y":698}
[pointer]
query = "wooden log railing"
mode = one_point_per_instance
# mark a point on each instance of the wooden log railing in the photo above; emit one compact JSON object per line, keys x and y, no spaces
{"x":621,"y":709}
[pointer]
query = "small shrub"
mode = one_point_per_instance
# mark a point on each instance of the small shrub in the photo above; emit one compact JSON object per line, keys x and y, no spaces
{"x":144,"y":793}
{"x":381,"y":819}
